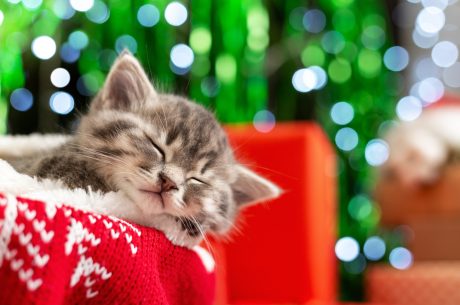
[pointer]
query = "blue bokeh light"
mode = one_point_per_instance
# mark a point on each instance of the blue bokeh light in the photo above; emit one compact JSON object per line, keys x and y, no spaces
{"x":21,"y":99}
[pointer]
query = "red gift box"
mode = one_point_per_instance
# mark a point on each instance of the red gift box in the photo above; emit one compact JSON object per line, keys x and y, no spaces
{"x":284,"y":252}
{"x":425,"y":283}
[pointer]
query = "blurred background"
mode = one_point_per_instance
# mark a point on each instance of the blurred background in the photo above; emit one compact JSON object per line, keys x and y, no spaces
{"x":354,"y":66}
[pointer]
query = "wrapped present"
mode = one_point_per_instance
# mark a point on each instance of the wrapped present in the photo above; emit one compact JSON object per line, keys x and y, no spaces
{"x":401,"y":204}
{"x":284,"y":253}
{"x":425,"y":283}
{"x":434,"y":238}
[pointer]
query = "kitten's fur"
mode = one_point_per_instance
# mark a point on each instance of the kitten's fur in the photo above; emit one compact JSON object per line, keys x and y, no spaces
{"x":165,"y":153}
{"x":419,"y":149}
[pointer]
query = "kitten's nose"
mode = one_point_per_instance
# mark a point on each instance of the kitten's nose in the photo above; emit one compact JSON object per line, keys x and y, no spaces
{"x":166,"y":183}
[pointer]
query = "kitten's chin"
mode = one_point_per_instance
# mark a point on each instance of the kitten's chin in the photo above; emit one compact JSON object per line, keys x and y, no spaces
{"x":148,"y":202}
{"x":153,"y":197}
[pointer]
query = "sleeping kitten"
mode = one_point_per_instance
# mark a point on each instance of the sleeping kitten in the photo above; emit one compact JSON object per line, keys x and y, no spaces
{"x":168,"y":155}
{"x":419,"y":149}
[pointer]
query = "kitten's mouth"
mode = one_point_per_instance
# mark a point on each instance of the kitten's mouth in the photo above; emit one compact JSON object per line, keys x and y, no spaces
{"x":155,"y":196}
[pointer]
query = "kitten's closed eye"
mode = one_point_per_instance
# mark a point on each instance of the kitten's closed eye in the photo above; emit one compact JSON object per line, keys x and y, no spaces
{"x":157,"y":148}
{"x":197,"y":181}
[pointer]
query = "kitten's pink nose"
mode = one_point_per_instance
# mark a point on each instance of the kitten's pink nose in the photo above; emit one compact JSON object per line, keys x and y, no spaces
{"x":166,"y":183}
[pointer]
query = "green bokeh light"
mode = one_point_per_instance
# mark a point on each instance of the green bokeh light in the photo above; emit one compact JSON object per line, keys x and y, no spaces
{"x":369,"y":63}
{"x":201,"y":66}
{"x":257,"y":18}
{"x":349,"y":52}
{"x":360,"y":207}
{"x":339,"y":70}
{"x":373,"y":37}
{"x":344,"y":20}
{"x":226,"y":68}
{"x":258,"y":40}
{"x":364,"y":102}
{"x":313,"y":55}
{"x":333,"y":42}
{"x":93,"y":81}
{"x":373,"y":19}
{"x":200,"y":40}
{"x":342,"y":3}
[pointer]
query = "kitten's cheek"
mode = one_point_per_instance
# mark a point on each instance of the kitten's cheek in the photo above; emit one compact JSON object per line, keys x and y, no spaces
{"x":153,"y":197}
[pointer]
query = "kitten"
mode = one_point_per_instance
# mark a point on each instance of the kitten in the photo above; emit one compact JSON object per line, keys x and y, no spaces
{"x":167,"y":155}
{"x":420,"y":149}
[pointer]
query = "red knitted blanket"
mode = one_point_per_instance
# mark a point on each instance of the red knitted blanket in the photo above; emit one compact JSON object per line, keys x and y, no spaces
{"x":60,"y":255}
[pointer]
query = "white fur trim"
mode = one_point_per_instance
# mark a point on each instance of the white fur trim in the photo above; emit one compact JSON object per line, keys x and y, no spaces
{"x":29,"y":145}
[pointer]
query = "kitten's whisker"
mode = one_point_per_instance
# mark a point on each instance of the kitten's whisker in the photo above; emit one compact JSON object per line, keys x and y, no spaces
{"x":166,"y":121}
{"x":96,"y":152}
{"x":206,"y":241}
{"x":161,"y":121}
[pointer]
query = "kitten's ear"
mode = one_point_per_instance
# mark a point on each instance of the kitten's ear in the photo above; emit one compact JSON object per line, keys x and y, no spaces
{"x":250,"y":188}
{"x":127,"y":85}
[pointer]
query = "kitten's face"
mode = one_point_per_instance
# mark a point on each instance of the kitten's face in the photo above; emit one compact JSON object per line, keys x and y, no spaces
{"x":167,"y":154}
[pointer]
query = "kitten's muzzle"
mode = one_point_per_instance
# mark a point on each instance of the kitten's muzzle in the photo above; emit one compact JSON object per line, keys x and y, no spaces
{"x":156,"y":196}
{"x":166,"y":183}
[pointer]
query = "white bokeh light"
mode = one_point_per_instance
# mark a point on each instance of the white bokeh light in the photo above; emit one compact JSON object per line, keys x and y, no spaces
{"x":430,"y":90}
{"x":309,"y":78}
{"x":32,"y":4}
{"x":305,"y":80}
{"x":176,"y":13}
{"x":451,"y":75}
{"x":409,"y":108}
{"x":396,"y":58}
{"x":63,"y":10}
{"x":424,"y":41}
{"x":61,"y":102}
{"x":43,"y":47}
{"x":374,"y":248}
{"x":21,"y":99}
{"x":441,"y":4}
{"x":99,"y":13}
{"x":321,"y":76}
{"x":68,"y":53}
{"x":444,"y":54}
{"x":78,"y":40}
{"x":82,"y":5}
{"x":346,"y":139}
{"x":425,"y":67}
{"x":414,"y":90}
{"x":342,"y":113}
{"x":376,"y":152}
{"x":2,"y":17}
{"x":264,"y":121}
{"x":314,"y":21}
{"x":60,"y":77}
{"x":401,"y":258}
{"x":347,"y":249}
{"x":182,"y":56}
{"x":126,"y":42}
{"x":430,"y":20}
{"x":148,"y":15}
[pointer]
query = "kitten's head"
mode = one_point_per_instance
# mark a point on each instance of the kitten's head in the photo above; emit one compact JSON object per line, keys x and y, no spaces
{"x":167,"y":154}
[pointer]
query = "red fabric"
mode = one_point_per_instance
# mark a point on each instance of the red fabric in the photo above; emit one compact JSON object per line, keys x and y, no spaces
{"x":61,"y":255}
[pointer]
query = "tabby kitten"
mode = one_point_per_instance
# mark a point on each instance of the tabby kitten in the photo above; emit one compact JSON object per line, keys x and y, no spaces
{"x":167,"y":155}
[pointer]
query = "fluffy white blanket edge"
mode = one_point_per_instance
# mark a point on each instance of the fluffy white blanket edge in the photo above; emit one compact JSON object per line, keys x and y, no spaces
{"x":55,"y":192}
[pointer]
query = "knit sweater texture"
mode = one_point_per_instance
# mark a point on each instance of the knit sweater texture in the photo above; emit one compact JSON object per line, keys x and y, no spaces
{"x":60,"y":255}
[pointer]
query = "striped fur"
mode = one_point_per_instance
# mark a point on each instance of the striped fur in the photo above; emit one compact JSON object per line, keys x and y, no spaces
{"x":167,"y":154}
